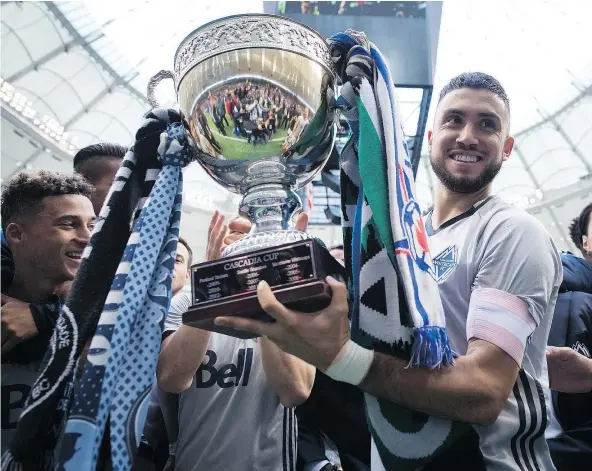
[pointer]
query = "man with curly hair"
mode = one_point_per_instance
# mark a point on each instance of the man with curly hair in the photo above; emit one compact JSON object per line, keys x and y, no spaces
{"x":98,"y":164}
{"x":47,"y":219}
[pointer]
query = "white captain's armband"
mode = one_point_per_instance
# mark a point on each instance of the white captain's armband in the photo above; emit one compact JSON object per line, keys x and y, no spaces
{"x":501,"y":319}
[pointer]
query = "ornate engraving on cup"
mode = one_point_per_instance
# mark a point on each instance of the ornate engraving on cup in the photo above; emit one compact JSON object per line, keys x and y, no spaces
{"x":250,"y":31}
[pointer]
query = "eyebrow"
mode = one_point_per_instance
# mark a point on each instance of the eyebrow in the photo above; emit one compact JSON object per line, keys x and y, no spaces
{"x":71,"y":217}
{"x":481,"y":114}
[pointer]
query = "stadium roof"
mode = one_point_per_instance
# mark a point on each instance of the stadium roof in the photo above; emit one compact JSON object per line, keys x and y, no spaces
{"x":75,"y":73}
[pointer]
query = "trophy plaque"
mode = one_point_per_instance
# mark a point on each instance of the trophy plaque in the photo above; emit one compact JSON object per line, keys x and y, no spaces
{"x":257,"y":93}
{"x":295,"y":271}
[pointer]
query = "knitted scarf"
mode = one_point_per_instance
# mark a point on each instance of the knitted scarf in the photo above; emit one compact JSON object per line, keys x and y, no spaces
{"x":119,"y":299}
{"x":394,"y":299}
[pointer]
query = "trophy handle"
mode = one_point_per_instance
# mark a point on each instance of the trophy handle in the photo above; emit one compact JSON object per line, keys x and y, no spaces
{"x":154,"y":81}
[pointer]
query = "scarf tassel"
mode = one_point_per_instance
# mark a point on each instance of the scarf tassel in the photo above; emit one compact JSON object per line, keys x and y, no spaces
{"x":431,"y":348}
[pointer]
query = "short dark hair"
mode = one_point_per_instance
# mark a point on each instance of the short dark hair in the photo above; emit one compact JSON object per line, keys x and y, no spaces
{"x":575,"y":234}
{"x":579,"y":226}
{"x":25,"y":190}
{"x":476,"y":81}
{"x":102,"y":149}
{"x":189,"y":251}
{"x":584,"y":220}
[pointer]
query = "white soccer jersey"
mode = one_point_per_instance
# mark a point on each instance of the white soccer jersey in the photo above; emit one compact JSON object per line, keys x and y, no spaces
{"x":230,"y":418}
{"x":499,"y":274}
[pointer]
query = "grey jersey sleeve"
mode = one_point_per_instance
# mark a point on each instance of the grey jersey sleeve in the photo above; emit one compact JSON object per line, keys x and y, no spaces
{"x":179,"y":304}
{"x":519,"y":257}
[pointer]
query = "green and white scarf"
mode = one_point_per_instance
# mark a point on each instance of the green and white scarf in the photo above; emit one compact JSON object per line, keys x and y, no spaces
{"x":394,"y":299}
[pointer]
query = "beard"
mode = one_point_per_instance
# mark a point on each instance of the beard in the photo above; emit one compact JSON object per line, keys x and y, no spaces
{"x":465,"y":185}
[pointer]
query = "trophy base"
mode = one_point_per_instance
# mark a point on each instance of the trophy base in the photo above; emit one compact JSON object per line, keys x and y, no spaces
{"x":296,"y":273}
{"x":308,"y":297}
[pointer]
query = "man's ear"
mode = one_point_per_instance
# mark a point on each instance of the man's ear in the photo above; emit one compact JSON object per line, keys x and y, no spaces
{"x":508,"y":146}
{"x":187,"y":275}
{"x":14,"y":234}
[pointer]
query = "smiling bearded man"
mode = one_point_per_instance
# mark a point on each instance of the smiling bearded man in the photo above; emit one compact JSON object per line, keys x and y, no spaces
{"x":498,"y":275}
{"x":477,"y":154}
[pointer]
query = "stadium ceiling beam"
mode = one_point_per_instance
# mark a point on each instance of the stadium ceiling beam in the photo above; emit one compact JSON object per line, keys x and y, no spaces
{"x":537,"y":184}
{"x":527,"y":168}
{"x":42,"y":60}
{"x":584,"y":188}
{"x":27,"y":161}
{"x":568,"y":105}
{"x":558,"y":225}
{"x":55,"y":10}
{"x":33,"y":134}
{"x":577,"y":152}
{"x":549,"y":204}
{"x":88,"y":106}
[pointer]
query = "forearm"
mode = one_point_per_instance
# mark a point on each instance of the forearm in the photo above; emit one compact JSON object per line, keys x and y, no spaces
{"x":180,"y":358}
{"x":583,"y":376}
{"x":461,"y":392}
{"x":289,"y":376}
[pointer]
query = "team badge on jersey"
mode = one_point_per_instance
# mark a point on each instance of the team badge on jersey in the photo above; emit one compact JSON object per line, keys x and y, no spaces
{"x":581,"y":349}
{"x":445,"y":262}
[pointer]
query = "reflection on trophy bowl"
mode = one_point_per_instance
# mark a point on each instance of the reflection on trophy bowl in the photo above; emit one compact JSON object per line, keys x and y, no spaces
{"x":257,"y":92}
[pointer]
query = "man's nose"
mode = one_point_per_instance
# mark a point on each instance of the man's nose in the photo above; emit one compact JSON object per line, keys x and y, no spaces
{"x":83,"y":235}
{"x":467,"y":137}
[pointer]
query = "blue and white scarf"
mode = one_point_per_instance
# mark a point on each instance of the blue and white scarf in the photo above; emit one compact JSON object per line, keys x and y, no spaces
{"x":394,"y":298}
{"x":119,"y":298}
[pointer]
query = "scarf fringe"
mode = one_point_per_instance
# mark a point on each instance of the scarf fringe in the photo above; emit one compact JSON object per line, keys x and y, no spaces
{"x":431,"y":348}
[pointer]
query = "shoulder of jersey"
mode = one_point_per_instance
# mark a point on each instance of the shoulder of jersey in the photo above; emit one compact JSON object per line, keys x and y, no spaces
{"x":511,"y":217}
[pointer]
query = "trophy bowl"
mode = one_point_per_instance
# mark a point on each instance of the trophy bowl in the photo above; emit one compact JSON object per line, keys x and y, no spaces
{"x":257,"y":93}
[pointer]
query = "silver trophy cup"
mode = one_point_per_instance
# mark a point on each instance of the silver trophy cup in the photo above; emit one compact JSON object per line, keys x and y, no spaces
{"x":257,"y":93}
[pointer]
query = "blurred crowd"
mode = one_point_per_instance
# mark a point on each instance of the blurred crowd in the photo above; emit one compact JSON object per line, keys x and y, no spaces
{"x":396,"y":9}
{"x":255,"y":112}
